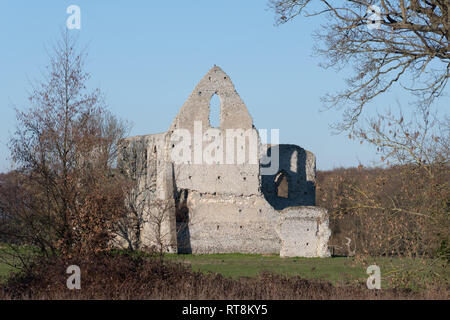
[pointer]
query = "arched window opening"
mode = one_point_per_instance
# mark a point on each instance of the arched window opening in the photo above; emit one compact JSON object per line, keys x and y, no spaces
{"x":294,"y":161}
{"x":282,"y":185}
{"x":214,"y":111}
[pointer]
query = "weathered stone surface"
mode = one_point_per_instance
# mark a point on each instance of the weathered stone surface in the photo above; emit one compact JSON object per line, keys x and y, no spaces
{"x":309,"y":222}
{"x":226,"y":207}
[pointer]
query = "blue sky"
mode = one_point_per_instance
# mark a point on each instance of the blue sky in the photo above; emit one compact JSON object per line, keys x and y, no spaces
{"x":147,"y":56}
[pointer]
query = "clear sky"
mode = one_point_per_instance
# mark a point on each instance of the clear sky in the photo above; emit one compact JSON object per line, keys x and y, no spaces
{"x":147,"y":56}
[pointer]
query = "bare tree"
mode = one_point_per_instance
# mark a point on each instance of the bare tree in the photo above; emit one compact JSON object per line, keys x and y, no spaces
{"x":420,"y":139}
{"x":390,"y":43}
{"x":161,"y":222}
{"x":150,"y":223}
{"x":411,"y":38}
{"x":147,"y":224}
{"x":65,"y":195}
{"x":129,"y":227}
{"x":402,"y":209}
{"x":135,"y":217}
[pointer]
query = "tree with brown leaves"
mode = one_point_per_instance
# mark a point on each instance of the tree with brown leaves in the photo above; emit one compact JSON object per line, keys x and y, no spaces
{"x":65,"y":195}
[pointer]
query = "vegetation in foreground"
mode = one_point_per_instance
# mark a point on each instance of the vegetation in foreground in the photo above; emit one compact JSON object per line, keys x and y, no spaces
{"x":402,"y":278}
{"x":409,"y":273}
{"x":66,"y":198}
{"x":124,"y":276}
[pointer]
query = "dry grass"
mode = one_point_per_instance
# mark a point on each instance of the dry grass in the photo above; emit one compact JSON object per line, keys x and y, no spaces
{"x":125,"y":277}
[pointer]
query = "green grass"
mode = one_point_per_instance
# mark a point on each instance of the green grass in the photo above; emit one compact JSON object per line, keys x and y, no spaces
{"x":5,"y":270}
{"x":249,"y":265}
{"x":5,"y":267}
{"x":336,"y":269}
{"x":9,"y":262}
{"x":340,"y":270}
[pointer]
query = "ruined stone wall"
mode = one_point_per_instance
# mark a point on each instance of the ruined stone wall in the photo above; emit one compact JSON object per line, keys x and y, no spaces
{"x":222,"y":176}
{"x":225,"y":224}
{"x":143,"y":159}
{"x":304,"y":232}
{"x":225,"y":207}
{"x":299,"y":167}
{"x":139,"y":160}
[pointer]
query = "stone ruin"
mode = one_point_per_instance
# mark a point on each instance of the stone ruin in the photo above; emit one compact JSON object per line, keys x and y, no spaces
{"x":250,"y":198}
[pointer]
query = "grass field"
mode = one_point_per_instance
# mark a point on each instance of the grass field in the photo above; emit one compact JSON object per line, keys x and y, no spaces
{"x":341,"y":270}
{"x":4,"y":271}
{"x":249,"y":265}
{"x":8,"y":262}
{"x":338,"y":270}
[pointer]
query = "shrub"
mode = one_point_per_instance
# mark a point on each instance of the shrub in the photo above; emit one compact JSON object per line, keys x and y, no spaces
{"x":112,"y":276}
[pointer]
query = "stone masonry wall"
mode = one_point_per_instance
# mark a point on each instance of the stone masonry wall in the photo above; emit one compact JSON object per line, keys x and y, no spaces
{"x":222,"y":207}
